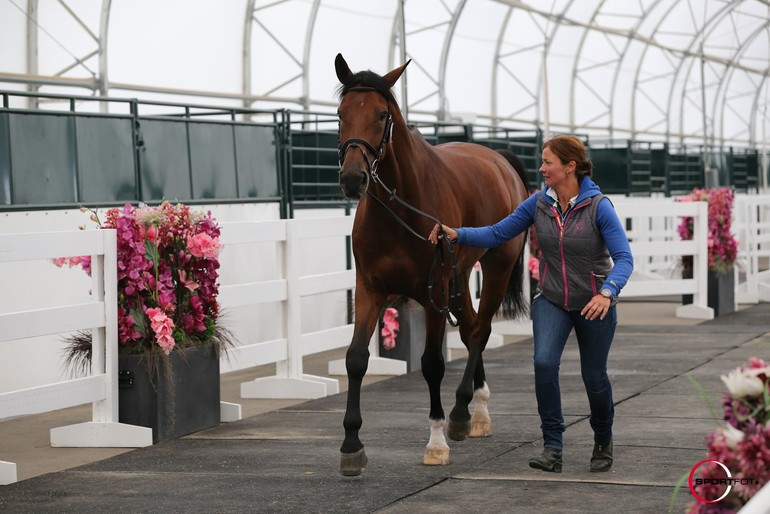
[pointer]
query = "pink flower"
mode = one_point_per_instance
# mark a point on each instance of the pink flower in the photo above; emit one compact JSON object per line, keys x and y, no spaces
{"x":203,"y":245}
{"x":534,"y":267}
{"x":389,"y":329}
{"x":187,"y":283}
{"x":163,"y":328}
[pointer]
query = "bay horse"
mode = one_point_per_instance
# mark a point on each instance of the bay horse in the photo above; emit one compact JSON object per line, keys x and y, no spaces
{"x":403,"y":184}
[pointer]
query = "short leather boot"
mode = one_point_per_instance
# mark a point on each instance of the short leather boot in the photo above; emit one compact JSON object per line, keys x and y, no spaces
{"x":601,"y":460}
{"x":549,"y":460}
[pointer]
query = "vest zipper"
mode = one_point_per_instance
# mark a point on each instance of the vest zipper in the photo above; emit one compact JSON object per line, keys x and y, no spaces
{"x":561,"y":247}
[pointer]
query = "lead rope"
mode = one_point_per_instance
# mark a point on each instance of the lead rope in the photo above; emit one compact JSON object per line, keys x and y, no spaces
{"x":438,"y":256}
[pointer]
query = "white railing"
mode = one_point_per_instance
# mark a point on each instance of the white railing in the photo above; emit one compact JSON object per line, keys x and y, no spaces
{"x":287,"y":351}
{"x":751,"y":226}
{"x":101,"y":387}
{"x":649,"y":250}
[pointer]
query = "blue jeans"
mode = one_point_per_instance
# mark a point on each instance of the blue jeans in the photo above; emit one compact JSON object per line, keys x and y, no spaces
{"x":552,"y":325}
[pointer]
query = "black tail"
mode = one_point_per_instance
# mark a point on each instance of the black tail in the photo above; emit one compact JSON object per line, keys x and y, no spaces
{"x":514,"y":303}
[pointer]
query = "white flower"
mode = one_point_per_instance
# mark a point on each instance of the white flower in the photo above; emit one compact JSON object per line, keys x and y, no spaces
{"x":733,"y":436}
{"x":743,"y":384}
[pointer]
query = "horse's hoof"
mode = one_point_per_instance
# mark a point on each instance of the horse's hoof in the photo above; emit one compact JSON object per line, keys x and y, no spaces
{"x":481,"y":429}
{"x":458,"y":430}
{"x":351,"y":464}
{"x":436,"y":456}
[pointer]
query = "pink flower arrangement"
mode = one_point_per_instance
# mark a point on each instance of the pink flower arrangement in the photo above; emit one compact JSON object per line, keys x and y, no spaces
{"x":722,"y":246}
{"x":389,"y":329}
{"x":167,"y":276}
{"x":741,"y":443}
{"x":389,"y":325}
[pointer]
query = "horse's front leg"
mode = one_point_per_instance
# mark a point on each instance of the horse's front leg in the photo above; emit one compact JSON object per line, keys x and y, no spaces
{"x":437,"y":450}
{"x":353,"y":459}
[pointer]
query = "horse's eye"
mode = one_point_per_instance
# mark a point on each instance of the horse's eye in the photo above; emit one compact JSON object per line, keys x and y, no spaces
{"x":383,"y":115}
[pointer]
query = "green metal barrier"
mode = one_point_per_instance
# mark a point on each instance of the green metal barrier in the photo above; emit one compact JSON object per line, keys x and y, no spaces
{"x":153,"y":151}
{"x":68,"y":156}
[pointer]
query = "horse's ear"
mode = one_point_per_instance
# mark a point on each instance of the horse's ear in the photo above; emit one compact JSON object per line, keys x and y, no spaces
{"x":394,"y":75}
{"x":343,"y":71}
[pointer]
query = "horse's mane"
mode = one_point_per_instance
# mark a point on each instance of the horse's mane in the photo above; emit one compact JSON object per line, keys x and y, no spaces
{"x":367,"y":79}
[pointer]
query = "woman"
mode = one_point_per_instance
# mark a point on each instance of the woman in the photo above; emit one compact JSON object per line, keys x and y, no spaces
{"x":578,"y":231}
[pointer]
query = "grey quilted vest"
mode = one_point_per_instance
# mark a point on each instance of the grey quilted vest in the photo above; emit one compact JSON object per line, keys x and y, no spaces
{"x":573,"y":266}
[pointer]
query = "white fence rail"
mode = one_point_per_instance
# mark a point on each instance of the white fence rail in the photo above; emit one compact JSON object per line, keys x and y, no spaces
{"x":751,"y":225}
{"x":654,"y":249}
{"x":287,"y":352}
{"x":101,"y":388}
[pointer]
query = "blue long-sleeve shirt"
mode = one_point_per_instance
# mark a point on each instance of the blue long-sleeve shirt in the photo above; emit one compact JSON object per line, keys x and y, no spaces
{"x":607,"y":221}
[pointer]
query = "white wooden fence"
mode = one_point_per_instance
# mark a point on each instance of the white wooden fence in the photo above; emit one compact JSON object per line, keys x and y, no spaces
{"x":288,"y":351}
{"x":289,"y":289}
{"x":101,"y":387}
{"x":751,"y":226}
{"x":651,"y":247}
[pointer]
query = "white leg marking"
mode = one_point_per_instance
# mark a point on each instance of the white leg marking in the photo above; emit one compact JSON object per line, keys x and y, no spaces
{"x":437,"y":450}
{"x":481,"y":423}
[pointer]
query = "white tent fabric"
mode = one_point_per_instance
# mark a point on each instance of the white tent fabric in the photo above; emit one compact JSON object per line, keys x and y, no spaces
{"x":682,"y":71}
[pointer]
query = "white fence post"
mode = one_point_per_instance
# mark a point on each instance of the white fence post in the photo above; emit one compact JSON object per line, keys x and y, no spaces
{"x":99,"y":316}
{"x":751,"y":226}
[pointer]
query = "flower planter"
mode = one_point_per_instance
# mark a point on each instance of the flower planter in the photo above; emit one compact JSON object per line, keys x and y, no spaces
{"x":180,"y":397}
{"x":410,"y":340}
{"x":721,"y":292}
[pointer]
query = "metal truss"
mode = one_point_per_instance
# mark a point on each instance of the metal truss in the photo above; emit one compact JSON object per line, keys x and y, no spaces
{"x":680,"y":71}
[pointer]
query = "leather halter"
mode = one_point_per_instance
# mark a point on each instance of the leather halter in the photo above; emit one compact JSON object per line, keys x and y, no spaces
{"x":454,"y":293}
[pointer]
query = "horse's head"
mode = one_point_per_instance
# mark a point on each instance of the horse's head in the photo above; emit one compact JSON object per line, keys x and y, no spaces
{"x":366,"y":123}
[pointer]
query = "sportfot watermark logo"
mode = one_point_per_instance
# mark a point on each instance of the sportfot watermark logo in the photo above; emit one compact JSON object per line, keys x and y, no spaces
{"x":715,"y":481}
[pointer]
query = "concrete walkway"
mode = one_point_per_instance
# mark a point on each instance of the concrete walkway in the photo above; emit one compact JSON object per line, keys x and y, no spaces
{"x":287,"y":460}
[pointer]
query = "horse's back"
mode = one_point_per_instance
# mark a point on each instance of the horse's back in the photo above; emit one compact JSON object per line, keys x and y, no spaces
{"x":480,"y":171}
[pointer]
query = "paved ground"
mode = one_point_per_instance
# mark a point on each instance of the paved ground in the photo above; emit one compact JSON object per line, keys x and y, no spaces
{"x":286,"y":460}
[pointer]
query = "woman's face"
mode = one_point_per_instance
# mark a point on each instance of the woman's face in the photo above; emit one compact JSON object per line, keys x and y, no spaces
{"x":554,"y":172}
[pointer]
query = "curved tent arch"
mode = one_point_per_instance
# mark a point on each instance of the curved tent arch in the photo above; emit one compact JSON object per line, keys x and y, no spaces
{"x":278,"y":56}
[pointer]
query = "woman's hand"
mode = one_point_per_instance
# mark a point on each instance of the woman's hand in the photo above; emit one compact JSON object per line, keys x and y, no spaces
{"x":597,"y":307}
{"x":434,"y":235}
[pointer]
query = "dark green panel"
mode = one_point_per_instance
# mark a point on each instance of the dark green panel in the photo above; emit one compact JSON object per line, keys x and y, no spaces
{"x":43,"y":159}
{"x":213,"y":161}
{"x":164,"y":161}
{"x":610,"y":167}
{"x":106,"y":160}
{"x":658,"y":163}
{"x":5,"y":161}
{"x":314,"y":166}
{"x":257,"y":166}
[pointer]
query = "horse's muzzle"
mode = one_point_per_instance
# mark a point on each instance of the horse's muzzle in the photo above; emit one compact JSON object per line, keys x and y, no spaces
{"x":354,"y":184}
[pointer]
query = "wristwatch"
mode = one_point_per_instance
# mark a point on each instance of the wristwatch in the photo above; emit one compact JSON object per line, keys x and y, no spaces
{"x":607,"y":294}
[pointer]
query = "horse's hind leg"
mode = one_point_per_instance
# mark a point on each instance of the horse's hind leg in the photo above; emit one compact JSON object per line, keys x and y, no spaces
{"x":437,"y":450}
{"x":481,"y":423}
{"x":475,"y":330}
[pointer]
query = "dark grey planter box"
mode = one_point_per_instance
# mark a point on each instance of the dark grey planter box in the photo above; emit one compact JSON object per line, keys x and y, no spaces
{"x":181,"y":396}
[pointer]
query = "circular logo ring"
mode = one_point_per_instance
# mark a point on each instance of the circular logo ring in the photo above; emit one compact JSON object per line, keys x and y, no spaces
{"x":692,"y":487}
